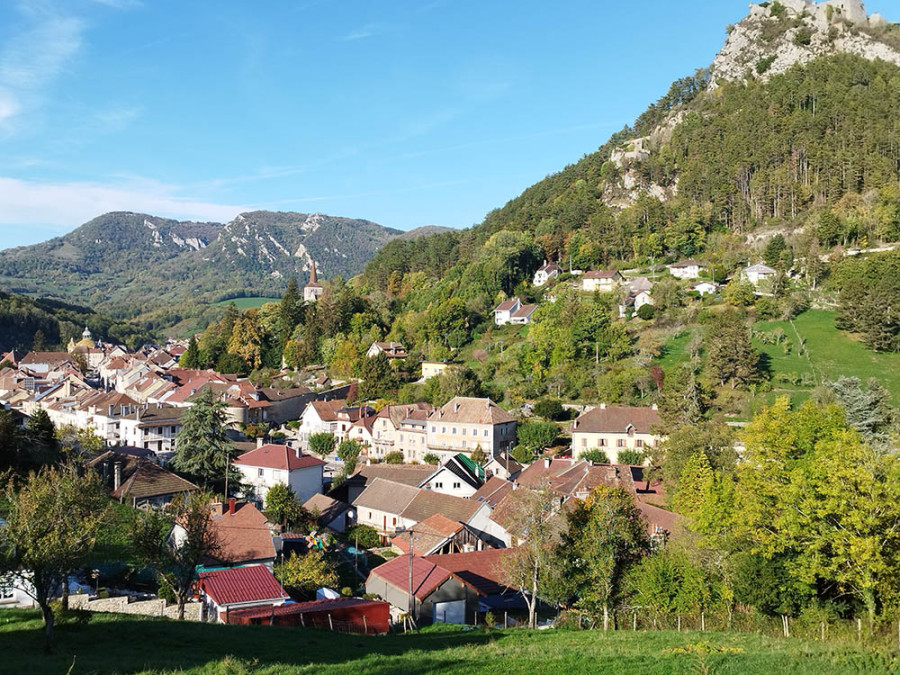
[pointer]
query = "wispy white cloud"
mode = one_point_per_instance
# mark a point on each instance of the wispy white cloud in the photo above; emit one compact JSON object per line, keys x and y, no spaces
{"x":65,"y":205}
{"x":35,"y":56}
{"x":367,"y":31}
{"x":117,"y":117}
{"x":120,"y":4}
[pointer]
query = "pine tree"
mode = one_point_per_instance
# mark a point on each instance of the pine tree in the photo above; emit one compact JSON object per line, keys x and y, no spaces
{"x":202,"y":449}
{"x":191,"y":356}
{"x":289,"y":311}
{"x":41,"y":447}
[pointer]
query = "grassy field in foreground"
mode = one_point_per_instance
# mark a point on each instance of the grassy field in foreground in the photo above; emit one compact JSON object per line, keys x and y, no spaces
{"x":131,"y":644}
{"x":246,"y":303}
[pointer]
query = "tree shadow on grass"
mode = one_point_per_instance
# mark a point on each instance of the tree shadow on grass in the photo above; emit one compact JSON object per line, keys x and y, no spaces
{"x":111,"y":643}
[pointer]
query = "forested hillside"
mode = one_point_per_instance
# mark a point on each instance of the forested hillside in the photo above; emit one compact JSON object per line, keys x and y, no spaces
{"x":48,"y":324}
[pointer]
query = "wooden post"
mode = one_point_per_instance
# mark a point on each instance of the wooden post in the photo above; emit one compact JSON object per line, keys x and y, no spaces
{"x":330,"y":625}
{"x":679,"y":623}
{"x":859,"y":628}
{"x":505,"y":625}
{"x":634,"y":621}
{"x":365,"y":626}
{"x":823,"y":631}
{"x":302,"y":621}
{"x":702,"y":621}
{"x":272,"y":616}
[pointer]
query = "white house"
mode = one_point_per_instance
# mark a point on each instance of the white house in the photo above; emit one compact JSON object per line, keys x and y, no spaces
{"x":633,"y":302}
{"x":153,"y":427}
{"x":705,"y":288}
{"x":758,"y":273}
{"x":604,"y":281}
{"x":313,"y":290}
{"x":546,"y":272}
{"x":393,"y":350}
{"x":514,"y":312}
{"x":269,"y":465}
{"x":687,"y":269}
{"x":459,"y":476}
{"x":333,"y":417}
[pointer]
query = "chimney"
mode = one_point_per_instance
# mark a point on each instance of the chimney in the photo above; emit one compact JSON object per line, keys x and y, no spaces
{"x":260,"y":441}
{"x":231,"y":506}
{"x":299,"y":454}
{"x":117,"y":475}
{"x":602,"y":406}
{"x":456,"y":407}
{"x":546,"y":462}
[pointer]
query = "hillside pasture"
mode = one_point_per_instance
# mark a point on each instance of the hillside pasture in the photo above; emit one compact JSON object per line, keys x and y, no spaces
{"x":246,"y":303}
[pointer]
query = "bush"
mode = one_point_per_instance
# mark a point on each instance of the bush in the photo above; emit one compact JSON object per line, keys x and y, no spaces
{"x":548,"y":409}
{"x":395,"y":457}
{"x":765,"y":63}
{"x":596,"y":455}
{"x":767,"y":308}
{"x":646,"y":312}
{"x":632,"y":457}
{"x":431,"y":458}
{"x":365,"y":536}
{"x":803,"y":37}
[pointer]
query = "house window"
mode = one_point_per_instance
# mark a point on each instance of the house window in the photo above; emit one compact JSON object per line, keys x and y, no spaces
{"x":485,"y":433}
{"x":401,"y":438}
{"x":370,"y":515}
{"x":583,"y":442}
{"x":639,"y":443}
{"x":443,"y":430}
{"x":438,"y":486}
{"x":464,"y":444}
{"x":454,"y":431}
{"x":6,"y":590}
{"x":174,"y":430}
{"x":457,"y":486}
{"x":433,"y":428}
{"x":463,"y":432}
{"x":259,"y":472}
{"x":395,"y":521}
{"x":602,"y":442}
{"x":620,"y":443}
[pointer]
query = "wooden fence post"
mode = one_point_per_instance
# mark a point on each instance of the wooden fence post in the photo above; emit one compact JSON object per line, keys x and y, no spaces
{"x":859,"y":628}
{"x":365,"y":625}
{"x":302,"y":621}
{"x":330,"y":625}
{"x":702,"y":621}
{"x":505,"y":625}
{"x":679,"y":623}
{"x":634,"y":621}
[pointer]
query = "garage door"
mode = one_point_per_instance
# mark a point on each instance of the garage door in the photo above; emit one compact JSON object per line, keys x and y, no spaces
{"x":450,"y":612}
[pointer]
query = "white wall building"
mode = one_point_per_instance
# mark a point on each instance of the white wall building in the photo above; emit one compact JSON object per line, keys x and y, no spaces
{"x":270,"y":465}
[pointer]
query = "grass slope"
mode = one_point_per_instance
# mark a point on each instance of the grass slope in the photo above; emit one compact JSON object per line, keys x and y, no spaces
{"x":131,"y":644}
{"x":832,"y":353}
{"x":246,"y":303}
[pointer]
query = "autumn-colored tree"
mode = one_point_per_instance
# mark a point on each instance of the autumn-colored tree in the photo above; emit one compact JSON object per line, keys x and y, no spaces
{"x":303,"y":575}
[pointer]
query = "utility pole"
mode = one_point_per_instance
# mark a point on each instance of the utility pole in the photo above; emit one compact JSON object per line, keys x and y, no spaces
{"x":227,"y":471}
{"x":411,"y":606}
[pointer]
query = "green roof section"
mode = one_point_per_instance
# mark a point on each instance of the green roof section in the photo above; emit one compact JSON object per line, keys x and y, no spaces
{"x":471,"y":465}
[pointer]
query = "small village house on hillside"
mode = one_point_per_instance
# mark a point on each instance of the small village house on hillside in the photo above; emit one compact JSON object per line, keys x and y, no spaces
{"x":686,"y":269}
{"x":605,"y":281}
{"x":546,"y":272}
{"x":514,"y":312}
{"x":613,"y":429}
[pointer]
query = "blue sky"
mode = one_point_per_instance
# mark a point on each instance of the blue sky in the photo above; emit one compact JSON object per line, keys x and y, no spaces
{"x":403,"y":112}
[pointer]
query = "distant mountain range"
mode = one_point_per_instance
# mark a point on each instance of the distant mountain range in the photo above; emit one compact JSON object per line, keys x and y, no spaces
{"x":132,"y":263}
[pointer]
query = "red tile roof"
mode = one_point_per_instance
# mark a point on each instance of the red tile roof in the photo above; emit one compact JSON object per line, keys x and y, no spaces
{"x":479,"y":569}
{"x":426,"y":576}
{"x":244,"y":536}
{"x":282,"y":457}
{"x":241,"y":584}
{"x":325,"y":605}
{"x":493,"y":491}
{"x":601,"y":274}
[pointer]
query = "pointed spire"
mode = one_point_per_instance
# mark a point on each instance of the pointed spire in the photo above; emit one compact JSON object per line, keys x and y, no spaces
{"x":313,"y":278}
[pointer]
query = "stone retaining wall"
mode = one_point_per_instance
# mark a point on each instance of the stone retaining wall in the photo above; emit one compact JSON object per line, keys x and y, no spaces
{"x":126,"y":605}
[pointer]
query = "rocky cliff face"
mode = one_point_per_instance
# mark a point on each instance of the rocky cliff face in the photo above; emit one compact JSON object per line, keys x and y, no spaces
{"x":778,"y":35}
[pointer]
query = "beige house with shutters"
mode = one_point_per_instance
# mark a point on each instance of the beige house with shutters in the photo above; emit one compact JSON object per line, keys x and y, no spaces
{"x":613,"y":429}
{"x":400,"y":428}
{"x":464,"y":424}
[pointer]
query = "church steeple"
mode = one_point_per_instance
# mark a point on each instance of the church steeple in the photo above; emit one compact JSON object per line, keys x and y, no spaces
{"x":313,"y":289}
